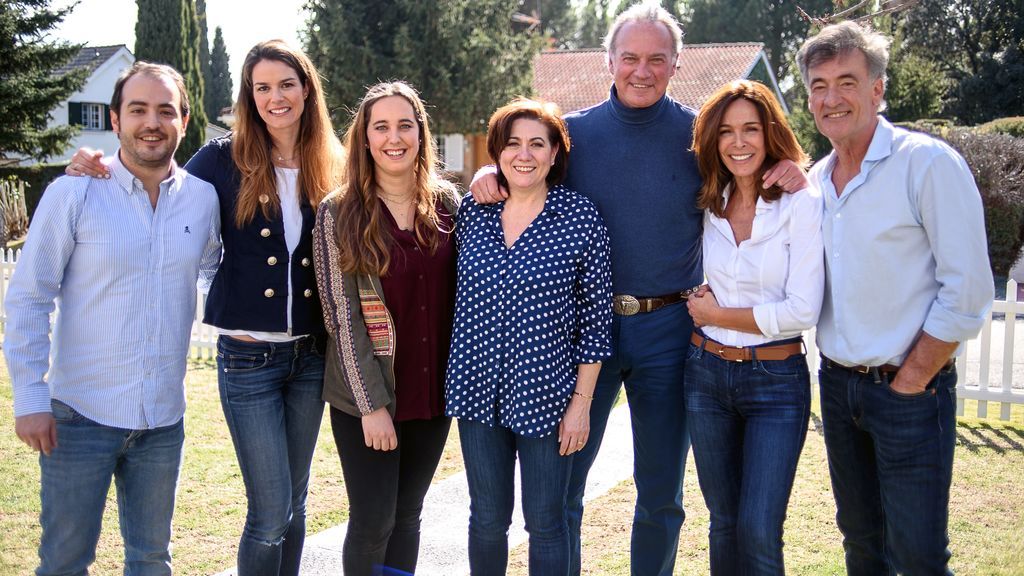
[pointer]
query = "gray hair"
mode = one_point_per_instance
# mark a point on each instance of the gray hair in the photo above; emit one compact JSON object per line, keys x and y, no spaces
{"x":651,"y":12}
{"x":838,"y":39}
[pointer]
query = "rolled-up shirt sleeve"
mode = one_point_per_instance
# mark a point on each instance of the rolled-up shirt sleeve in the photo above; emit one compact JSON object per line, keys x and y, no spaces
{"x":805,"y":278}
{"x":594,"y":297}
{"x":33,"y":290}
{"x":953,"y":218}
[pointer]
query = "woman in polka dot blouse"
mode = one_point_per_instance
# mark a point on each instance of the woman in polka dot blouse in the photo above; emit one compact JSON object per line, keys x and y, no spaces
{"x":532,"y":324}
{"x":385,"y":263}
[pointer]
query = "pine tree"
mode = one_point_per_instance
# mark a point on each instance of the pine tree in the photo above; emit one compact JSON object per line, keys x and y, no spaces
{"x":167,"y":32}
{"x":218,"y":87}
{"x":464,"y":56}
{"x":594,"y":21}
{"x":28,"y":88}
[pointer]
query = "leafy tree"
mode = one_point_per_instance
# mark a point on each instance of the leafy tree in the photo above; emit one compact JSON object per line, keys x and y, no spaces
{"x":29,"y":89}
{"x":555,"y":20}
{"x":981,"y":44}
{"x":593,"y":24}
{"x":204,"y":55}
{"x":167,"y":32}
{"x":218,"y":85}
{"x":463,"y":56}
{"x":779,"y":25}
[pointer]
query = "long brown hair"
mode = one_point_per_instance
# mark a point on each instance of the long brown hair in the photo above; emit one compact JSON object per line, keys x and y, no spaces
{"x":364,"y":242}
{"x":779,"y":141}
{"x":319,"y":149}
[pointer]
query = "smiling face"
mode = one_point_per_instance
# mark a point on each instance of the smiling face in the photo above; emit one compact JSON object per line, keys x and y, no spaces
{"x":149,"y":124}
{"x":844,"y":99}
{"x":528,"y":156}
{"x":393,"y":135}
{"x":741,"y":140}
{"x":643,"y":62}
{"x":278,"y":94}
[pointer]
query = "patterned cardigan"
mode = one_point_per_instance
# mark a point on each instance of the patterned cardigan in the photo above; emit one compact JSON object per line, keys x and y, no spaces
{"x":359,"y":375}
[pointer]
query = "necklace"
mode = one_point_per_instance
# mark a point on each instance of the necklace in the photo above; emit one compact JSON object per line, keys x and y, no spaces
{"x":280,"y":157}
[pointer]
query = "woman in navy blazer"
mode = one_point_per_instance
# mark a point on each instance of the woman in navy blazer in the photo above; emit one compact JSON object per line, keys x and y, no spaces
{"x":270,"y":174}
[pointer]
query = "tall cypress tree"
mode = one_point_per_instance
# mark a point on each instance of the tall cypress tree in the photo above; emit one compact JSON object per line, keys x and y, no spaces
{"x":29,"y":89}
{"x":167,"y":32}
{"x":204,"y":57}
{"x":218,"y":87}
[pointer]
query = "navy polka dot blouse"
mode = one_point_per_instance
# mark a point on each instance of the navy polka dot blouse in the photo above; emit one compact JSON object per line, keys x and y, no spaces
{"x":526,"y":316}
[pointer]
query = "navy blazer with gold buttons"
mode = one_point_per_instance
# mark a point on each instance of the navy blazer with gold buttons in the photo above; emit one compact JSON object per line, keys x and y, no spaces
{"x":250,"y":290}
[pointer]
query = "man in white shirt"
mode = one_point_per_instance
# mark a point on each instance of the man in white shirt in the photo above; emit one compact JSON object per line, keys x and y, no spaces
{"x":122,"y":256}
{"x":907,"y":280}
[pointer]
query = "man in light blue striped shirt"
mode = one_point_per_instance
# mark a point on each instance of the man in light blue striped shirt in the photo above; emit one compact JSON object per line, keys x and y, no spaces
{"x":122,"y":257}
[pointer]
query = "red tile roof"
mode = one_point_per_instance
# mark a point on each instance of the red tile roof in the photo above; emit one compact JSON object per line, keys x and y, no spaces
{"x":577,"y":79}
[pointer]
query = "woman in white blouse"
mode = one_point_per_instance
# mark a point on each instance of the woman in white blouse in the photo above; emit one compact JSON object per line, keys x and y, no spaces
{"x":747,"y":383}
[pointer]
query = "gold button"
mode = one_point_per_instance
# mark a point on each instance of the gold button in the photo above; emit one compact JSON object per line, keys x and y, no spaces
{"x":269,"y":292}
{"x":272,"y":260}
{"x":265,"y":232}
{"x":307,"y":293}
{"x":305,"y":262}
{"x":264,"y":198}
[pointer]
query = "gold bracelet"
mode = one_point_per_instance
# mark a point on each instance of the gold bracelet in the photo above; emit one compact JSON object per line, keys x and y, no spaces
{"x":582,"y":395}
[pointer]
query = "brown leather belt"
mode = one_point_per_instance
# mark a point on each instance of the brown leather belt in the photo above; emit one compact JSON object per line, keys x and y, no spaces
{"x":626,"y":305}
{"x":747,"y":353}
{"x":888,"y":369}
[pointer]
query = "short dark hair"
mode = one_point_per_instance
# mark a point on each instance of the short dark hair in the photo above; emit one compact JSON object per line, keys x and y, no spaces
{"x":499,"y":129}
{"x":155,"y":70}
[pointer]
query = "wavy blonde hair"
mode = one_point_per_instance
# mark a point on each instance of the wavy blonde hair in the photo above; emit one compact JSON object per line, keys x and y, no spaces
{"x":320,"y":153}
{"x":363,"y":239}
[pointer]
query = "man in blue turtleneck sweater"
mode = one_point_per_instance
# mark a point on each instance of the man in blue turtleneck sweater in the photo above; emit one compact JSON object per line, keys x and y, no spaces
{"x":631,"y":156}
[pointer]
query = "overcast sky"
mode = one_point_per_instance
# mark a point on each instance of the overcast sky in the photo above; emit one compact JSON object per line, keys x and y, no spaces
{"x":243,"y":22}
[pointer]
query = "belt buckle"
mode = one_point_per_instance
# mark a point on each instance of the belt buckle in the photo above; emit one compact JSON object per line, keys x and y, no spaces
{"x":626,"y":305}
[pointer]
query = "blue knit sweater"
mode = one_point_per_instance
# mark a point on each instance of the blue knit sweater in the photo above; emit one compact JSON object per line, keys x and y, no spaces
{"x":635,"y":164}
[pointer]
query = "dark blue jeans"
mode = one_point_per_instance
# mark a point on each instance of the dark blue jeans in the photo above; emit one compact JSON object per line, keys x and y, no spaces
{"x":748,"y":422}
{"x":490,"y":456}
{"x":649,"y":353}
{"x":890,"y":457}
{"x":271,"y":396}
{"x":76,"y":477}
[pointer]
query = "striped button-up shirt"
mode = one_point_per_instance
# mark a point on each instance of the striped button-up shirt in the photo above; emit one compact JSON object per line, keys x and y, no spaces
{"x":123,"y":275}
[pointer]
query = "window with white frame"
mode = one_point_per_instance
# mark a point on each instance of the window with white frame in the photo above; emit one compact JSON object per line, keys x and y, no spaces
{"x":92,"y":116}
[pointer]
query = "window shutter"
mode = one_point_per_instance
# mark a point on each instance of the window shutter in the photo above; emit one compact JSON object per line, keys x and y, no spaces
{"x":106,"y":119}
{"x":74,"y":113}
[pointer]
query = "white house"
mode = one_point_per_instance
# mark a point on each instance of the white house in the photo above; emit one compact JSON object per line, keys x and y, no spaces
{"x":89,"y":108}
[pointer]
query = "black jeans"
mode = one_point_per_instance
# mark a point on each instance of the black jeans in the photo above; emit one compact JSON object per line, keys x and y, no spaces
{"x":386,"y":492}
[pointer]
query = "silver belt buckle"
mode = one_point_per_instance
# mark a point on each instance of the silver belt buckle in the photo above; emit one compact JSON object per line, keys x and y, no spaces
{"x":625,"y":305}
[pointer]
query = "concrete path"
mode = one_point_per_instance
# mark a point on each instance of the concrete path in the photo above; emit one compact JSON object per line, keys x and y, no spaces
{"x":446,"y":513}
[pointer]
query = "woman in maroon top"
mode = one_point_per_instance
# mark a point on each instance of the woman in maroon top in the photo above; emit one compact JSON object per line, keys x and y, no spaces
{"x":385,"y":266}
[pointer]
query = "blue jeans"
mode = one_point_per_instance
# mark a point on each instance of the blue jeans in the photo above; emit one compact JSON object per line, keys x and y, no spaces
{"x":490,"y":457}
{"x":649,"y":354}
{"x":75,"y":480}
{"x":271,"y":396}
{"x":890,"y":457}
{"x":748,"y":422}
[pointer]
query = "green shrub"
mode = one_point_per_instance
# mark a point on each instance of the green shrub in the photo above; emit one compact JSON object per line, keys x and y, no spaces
{"x":1012,"y":126}
{"x":997,"y":163}
{"x":36,"y":179}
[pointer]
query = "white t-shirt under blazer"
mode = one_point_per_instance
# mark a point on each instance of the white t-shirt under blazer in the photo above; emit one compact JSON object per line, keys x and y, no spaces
{"x":779,"y":271}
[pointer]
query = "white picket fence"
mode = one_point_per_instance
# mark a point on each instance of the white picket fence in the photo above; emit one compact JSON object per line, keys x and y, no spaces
{"x":987,"y":369}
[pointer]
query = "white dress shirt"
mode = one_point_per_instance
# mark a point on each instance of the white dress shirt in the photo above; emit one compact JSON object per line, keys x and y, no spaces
{"x":123,"y":275}
{"x":905,"y":250}
{"x":779,"y":271}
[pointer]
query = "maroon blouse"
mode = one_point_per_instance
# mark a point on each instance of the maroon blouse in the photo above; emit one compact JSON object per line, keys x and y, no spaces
{"x":419,"y":291}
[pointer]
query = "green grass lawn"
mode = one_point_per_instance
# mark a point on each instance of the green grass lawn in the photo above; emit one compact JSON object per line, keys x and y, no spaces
{"x":986,"y":527}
